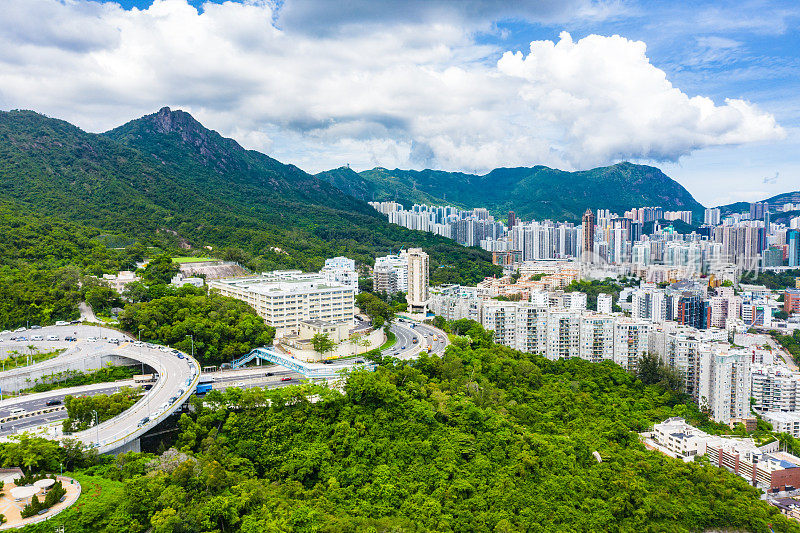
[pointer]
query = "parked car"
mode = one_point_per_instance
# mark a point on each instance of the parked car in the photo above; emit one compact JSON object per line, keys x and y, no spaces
{"x":53,"y":338}
{"x":62,"y":323}
{"x":22,"y":338}
{"x":50,"y":403}
{"x":19,"y":330}
{"x":37,"y":338}
{"x":36,"y":326}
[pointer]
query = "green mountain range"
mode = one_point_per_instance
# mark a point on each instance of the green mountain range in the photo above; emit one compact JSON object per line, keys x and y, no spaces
{"x":532,"y":193}
{"x":165,"y":180}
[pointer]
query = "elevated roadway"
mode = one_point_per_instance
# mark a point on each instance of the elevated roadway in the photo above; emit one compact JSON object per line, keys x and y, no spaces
{"x":178,"y":374}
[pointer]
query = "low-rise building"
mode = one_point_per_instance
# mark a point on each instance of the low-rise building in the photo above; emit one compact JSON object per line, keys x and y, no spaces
{"x":285,"y":298}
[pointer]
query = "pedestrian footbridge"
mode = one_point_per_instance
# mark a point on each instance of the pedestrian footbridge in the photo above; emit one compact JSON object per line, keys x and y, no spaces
{"x":309,"y":370}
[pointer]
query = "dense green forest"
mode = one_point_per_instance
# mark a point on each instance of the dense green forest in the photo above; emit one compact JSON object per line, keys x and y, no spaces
{"x":43,"y":261}
{"x":222,"y":328}
{"x":483,"y":439}
{"x":537,"y":192}
{"x":167,"y":181}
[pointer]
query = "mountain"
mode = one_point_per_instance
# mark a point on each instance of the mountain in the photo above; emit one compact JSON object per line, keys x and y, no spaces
{"x":165,"y":180}
{"x":775,"y":202}
{"x":537,"y":192}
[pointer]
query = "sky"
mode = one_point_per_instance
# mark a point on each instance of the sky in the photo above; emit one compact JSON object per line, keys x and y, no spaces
{"x":706,"y":91}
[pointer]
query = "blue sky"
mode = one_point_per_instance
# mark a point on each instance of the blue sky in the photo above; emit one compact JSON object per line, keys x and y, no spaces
{"x":708,"y":92}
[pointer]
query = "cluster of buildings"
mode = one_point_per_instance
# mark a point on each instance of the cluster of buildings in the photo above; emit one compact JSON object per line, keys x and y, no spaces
{"x":699,"y":333}
{"x":695,"y":304}
{"x":765,"y":467}
{"x":465,"y":227}
{"x":738,"y":241}
{"x":287,"y":298}
{"x":300,"y":303}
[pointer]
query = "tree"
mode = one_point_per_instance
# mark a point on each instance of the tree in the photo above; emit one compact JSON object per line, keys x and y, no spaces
{"x":102,"y":298}
{"x":322,"y":343}
{"x":160,"y":270}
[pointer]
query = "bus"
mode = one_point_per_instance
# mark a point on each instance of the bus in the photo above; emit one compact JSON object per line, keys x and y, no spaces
{"x":204,"y":384}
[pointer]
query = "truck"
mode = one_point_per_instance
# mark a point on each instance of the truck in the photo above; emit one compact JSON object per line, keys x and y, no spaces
{"x":204,"y":384}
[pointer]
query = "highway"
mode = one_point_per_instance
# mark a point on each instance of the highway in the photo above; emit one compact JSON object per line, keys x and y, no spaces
{"x":178,"y":374}
{"x":171,"y":389}
{"x":404,"y":347}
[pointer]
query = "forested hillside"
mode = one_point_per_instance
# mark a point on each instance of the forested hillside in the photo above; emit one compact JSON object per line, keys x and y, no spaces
{"x":42,"y":260}
{"x":484,"y":439}
{"x":166,"y":181}
{"x":537,"y":192}
{"x":165,"y":178}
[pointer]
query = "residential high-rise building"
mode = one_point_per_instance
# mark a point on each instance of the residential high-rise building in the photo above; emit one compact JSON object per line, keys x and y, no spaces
{"x":712,"y":216}
{"x":587,"y":246}
{"x":692,"y":310}
{"x":725,"y":382}
{"x":418,"y":278}
{"x":757,"y":210}
{"x":793,"y":247}
{"x":631,"y":342}
{"x":605,"y":303}
{"x":390,"y":273}
{"x":512,"y":220}
{"x":597,"y":338}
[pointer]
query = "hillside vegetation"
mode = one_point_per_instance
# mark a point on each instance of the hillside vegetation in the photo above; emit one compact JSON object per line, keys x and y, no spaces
{"x":166,"y":180}
{"x":537,"y":192}
{"x":484,"y":439}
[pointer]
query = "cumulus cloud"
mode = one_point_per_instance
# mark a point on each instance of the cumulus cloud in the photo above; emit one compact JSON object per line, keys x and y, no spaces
{"x":610,"y":102}
{"x":413,"y":93}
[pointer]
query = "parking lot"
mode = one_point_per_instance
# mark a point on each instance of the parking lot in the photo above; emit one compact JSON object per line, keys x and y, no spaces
{"x":22,"y":342}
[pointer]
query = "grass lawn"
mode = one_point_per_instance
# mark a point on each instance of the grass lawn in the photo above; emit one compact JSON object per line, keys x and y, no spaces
{"x":99,"y":497}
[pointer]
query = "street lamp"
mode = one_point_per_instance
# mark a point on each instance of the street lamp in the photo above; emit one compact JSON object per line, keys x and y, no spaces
{"x":192,"y":337}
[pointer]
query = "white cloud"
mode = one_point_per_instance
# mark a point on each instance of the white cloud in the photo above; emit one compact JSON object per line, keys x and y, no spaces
{"x":409,"y":94}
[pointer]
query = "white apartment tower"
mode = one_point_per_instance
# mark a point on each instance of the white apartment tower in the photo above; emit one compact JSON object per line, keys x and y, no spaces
{"x":418,"y":277}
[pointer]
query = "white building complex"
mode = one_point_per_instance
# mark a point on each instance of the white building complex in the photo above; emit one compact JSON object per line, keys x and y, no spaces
{"x":341,"y":270}
{"x":390,"y":273}
{"x":284,"y":298}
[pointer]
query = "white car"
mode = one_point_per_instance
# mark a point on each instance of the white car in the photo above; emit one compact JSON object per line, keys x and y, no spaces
{"x":19,"y":330}
{"x":62,"y":323}
{"x":5,"y":332}
{"x":138,"y":344}
{"x":91,"y":339}
{"x":37,"y":338}
{"x":53,"y":338}
{"x":165,"y":349}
